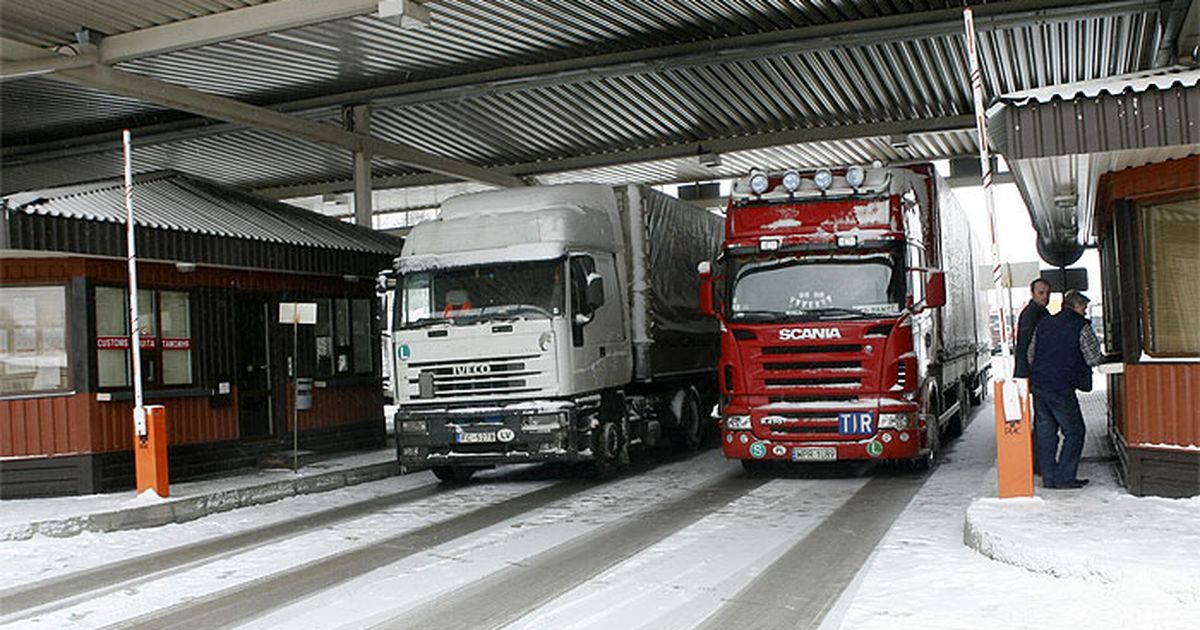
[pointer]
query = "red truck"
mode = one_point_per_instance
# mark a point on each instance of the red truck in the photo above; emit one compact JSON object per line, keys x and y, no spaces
{"x":849,"y":323}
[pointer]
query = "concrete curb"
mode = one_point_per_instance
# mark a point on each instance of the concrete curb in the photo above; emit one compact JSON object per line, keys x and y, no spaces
{"x":194,"y":507}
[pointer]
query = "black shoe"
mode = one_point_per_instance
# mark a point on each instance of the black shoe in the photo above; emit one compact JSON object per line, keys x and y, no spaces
{"x":1070,"y":485}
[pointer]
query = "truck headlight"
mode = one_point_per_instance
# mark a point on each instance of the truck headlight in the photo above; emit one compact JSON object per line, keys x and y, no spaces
{"x":823,"y":178}
{"x":414,"y":426}
{"x":899,"y":421}
{"x":758,"y":182}
{"x":855,"y":176}
{"x":545,"y":341}
{"x":542,"y":423}
{"x":737,"y":423}
{"x":791,"y":181}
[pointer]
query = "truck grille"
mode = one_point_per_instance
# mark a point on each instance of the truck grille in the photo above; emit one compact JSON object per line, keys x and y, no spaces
{"x":792,"y":423}
{"x":793,"y":374}
{"x":474,"y":378}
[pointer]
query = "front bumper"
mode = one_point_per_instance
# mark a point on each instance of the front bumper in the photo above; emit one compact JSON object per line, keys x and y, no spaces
{"x":488,"y":436}
{"x":807,"y":434}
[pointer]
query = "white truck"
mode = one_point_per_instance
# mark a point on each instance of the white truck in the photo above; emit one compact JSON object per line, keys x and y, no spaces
{"x":553,"y":324}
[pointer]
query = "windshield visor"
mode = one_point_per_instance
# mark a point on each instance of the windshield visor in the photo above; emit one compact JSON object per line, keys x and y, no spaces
{"x":816,"y":286}
{"x":525,"y":290}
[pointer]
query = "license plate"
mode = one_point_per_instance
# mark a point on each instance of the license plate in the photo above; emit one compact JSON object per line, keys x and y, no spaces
{"x":856,"y":423}
{"x":475,"y":438}
{"x":814,"y":454}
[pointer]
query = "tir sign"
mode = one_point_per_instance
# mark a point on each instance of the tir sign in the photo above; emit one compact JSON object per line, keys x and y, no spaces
{"x":856,"y":423}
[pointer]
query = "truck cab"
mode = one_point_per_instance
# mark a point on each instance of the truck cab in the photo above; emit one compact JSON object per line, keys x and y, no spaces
{"x":836,"y":344}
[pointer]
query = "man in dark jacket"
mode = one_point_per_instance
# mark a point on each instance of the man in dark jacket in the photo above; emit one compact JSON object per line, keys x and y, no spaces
{"x":1061,"y":356}
{"x":1034,"y":311}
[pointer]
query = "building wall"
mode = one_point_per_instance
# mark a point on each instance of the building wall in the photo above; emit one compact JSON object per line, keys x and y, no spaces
{"x":83,"y":421}
{"x":1162,"y":404}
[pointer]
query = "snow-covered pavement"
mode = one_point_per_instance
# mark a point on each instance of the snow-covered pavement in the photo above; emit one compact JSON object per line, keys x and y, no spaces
{"x":681,"y":542}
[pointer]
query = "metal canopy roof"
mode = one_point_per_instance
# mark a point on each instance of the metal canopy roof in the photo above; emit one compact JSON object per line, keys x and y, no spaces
{"x":253,"y":94}
{"x":1059,"y":141}
{"x":176,"y":202}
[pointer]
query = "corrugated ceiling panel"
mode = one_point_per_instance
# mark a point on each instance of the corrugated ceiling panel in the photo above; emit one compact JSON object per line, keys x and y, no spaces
{"x":831,"y":84}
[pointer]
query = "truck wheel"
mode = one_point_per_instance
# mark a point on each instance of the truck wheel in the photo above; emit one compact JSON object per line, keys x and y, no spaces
{"x":689,"y":435}
{"x":933,"y":441}
{"x":606,"y":450}
{"x":453,"y":474}
{"x":977,"y":397}
{"x":955,"y":427}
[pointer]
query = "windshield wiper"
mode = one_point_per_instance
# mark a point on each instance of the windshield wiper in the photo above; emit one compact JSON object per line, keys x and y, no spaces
{"x":836,"y":312}
{"x":424,"y":323}
{"x":759,"y":316}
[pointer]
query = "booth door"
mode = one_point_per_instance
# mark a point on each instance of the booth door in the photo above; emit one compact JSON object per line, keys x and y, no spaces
{"x":254,"y":366}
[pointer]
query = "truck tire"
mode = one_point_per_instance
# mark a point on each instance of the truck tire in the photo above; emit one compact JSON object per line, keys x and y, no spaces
{"x":606,"y":446}
{"x":981,"y":381}
{"x":453,"y":474}
{"x":933,"y":441}
{"x":955,"y":427}
{"x":688,"y":436}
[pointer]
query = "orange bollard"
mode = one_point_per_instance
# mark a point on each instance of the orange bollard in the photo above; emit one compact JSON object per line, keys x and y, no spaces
{"x":1014,"y":438}
{"x":150,"y":452}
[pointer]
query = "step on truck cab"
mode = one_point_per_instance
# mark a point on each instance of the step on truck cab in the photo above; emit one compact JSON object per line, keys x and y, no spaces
{"x":552,"y":324}
{"x":850,"y":323}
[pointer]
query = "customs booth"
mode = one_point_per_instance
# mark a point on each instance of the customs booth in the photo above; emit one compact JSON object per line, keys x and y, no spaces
{"x":1148,"y":227}
{"x":214,"y":265}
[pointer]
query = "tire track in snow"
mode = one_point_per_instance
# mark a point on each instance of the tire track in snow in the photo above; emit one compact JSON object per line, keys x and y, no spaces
{"x":246,"y":601}
{"x":509,"y":594}
{"x":798,"y":589}
{"x":65,"y":590}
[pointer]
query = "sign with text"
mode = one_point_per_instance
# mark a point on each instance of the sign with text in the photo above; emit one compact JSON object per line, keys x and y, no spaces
{"x":297,"y":312}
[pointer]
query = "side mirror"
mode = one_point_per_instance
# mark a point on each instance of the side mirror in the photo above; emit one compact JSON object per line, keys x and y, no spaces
{"x":935,"y":290}
{"x":706,"y":288}
{"x":595,"y":292}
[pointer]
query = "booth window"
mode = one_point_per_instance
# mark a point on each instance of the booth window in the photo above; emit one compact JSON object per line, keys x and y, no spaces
{"x":33,"y":340}
{"x":1171,"y":234}
{"x":166,"y":337}
{"x":343,"y":337}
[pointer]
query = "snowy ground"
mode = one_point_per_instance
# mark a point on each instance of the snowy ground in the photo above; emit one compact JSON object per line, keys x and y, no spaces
{"x":1094,"y":558}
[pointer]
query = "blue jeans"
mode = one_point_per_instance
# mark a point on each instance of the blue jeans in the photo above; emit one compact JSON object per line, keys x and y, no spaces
{"x":1058,"y":411}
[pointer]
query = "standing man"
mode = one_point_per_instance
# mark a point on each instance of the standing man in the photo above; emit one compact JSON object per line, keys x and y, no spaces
{"x":1034,"y":311}
{"x":1061,"y":356}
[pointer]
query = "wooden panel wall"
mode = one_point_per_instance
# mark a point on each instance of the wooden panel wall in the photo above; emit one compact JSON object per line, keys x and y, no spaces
{"x":43,"y":426}
{"x":1162,"y":404}
{"x":335,"y":406}
{"x":189,"y":421}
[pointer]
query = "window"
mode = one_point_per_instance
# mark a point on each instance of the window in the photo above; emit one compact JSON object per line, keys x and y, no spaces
{"x":166,"y":340}
{"x":33,"y":340}
{"x":1171,"y":234}
{"x":344,"y":337}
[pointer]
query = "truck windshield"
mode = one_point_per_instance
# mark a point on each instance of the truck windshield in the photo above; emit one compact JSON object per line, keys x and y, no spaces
{"x":460,"y":295}
{"x":814,"y":286}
